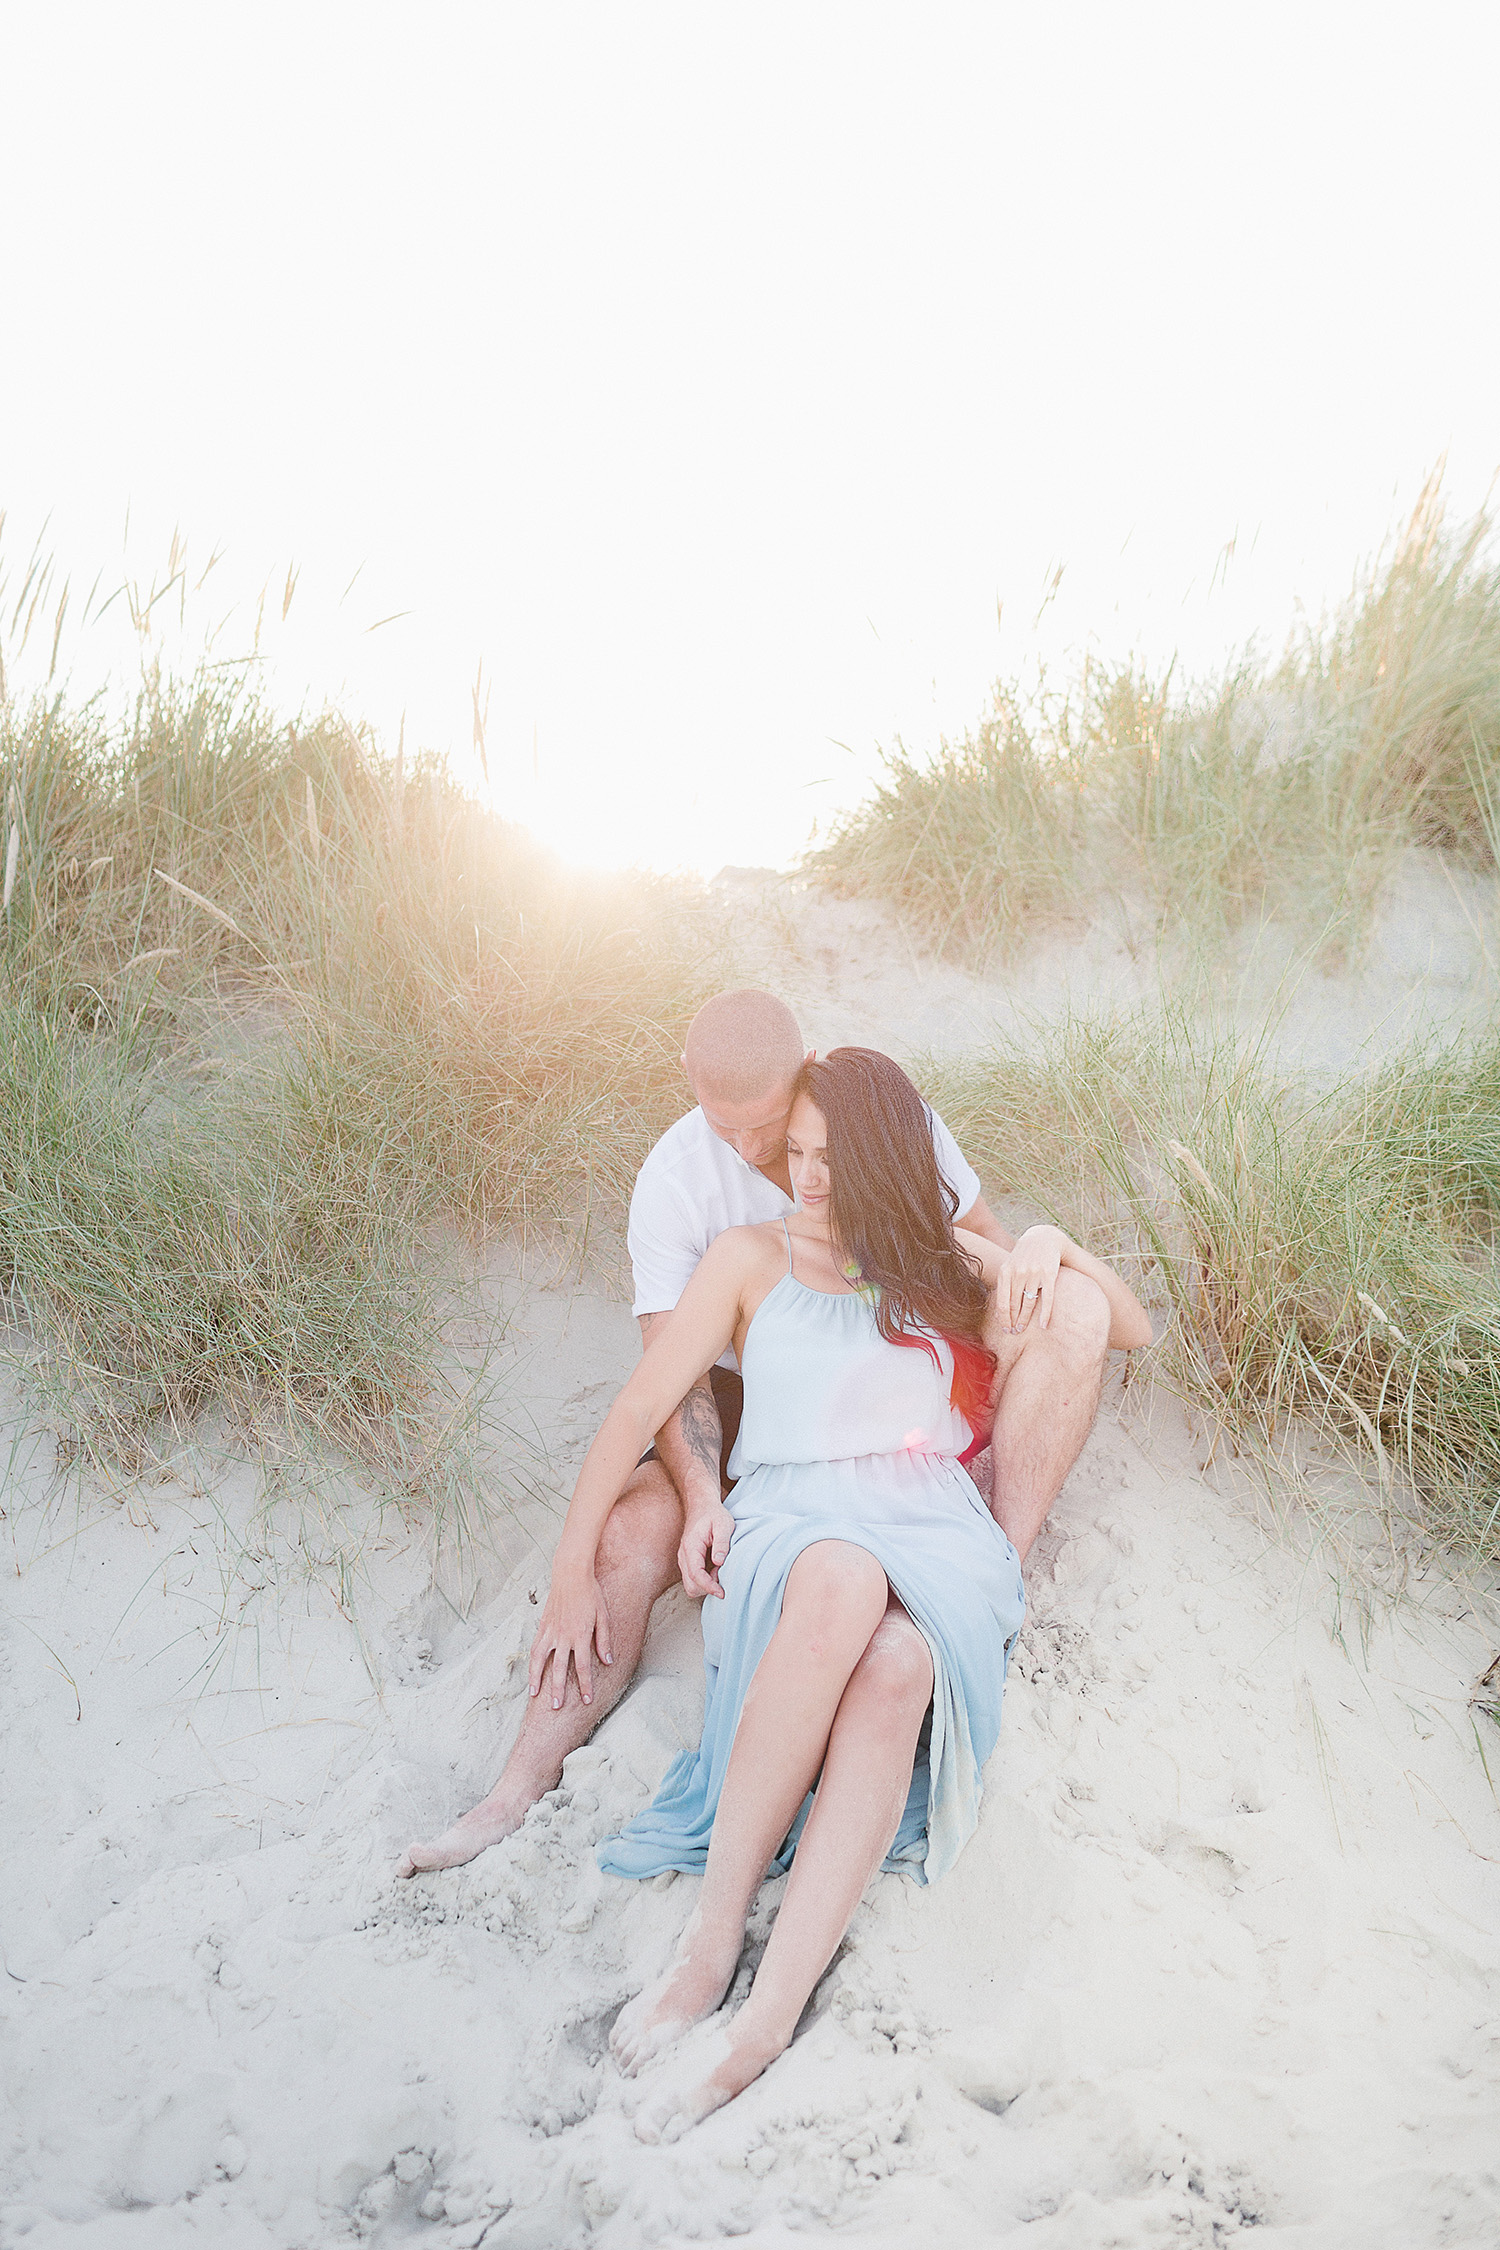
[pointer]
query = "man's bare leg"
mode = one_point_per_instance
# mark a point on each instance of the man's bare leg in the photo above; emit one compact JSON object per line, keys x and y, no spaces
{"x":637,"y":1562}
{"x":1049,"y":1382}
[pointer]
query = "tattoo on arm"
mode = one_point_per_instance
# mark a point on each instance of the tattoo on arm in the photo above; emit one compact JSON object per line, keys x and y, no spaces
{"x":689,"y":1440}
{"x":701,"y":1428}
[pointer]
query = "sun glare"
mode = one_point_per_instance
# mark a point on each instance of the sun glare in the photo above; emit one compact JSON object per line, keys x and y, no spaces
{"x":729,"y":468}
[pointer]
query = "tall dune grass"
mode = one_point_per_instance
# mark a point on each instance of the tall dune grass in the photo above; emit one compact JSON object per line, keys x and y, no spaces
{"x":270,"y":1003}
{"x":207,"y":1260}
{"x":1326,"y":1254}
{"x":1285,"y":787}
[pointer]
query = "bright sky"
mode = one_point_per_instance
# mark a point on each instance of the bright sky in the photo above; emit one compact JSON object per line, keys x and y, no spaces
{"x":712,"y":373}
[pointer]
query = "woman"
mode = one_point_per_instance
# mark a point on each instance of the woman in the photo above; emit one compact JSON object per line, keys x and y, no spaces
{"x":867,"y":1601}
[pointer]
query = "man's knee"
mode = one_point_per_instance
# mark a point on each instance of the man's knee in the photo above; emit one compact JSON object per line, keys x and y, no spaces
{"x":644,"y":1528}
{"x":1080,"y":1315}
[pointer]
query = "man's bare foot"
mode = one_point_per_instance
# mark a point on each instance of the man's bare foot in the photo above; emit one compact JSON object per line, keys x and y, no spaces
{"x":487,"y":1824}
{"x":692,"y":1988}
{"x":721,"y":2062}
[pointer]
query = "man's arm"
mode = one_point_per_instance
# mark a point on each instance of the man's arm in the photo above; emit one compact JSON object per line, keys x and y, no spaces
{"x":666,"y":1246}
{"x":689,"y":1442}
{"x":575,"y":1620}
{"x":980,"y":1219}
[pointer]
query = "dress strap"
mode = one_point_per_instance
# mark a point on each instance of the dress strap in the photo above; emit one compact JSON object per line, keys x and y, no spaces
{"x":786,"y":1230}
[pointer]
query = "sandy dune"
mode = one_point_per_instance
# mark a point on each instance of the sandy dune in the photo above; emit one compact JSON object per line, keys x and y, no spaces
{"x":1223,"y":1955}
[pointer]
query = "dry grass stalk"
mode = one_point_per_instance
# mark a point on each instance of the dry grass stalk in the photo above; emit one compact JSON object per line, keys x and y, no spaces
{"x":197,"y":899}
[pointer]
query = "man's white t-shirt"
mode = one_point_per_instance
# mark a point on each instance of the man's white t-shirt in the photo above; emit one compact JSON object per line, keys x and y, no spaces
{"x":693,"y":1185}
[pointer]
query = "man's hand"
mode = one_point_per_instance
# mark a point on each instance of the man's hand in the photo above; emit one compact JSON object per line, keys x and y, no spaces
{"x":574,"y":1624}
{"x":1027,"y":1280}
{"x":705,"y":1543}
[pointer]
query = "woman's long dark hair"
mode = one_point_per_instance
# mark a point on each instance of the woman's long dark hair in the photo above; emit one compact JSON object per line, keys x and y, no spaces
{"x":892,"y":1214}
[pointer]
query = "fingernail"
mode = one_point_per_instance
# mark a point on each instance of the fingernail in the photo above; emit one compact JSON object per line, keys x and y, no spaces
{"x":609,"y":1660}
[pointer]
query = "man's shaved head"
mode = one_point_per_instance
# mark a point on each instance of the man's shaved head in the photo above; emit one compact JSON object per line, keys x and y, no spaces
{"x":742,"y":1045}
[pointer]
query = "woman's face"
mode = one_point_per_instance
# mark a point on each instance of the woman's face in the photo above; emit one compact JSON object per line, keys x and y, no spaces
{"x":807,"y":1157}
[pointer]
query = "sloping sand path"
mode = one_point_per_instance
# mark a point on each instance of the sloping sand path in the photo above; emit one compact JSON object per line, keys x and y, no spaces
{"x":1222,"y":1957}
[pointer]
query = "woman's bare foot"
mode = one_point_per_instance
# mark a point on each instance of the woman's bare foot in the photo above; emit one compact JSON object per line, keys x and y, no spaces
{"x":721,"y":2062}
{"x":487,"y":1824}
{"x":692,"y":1988}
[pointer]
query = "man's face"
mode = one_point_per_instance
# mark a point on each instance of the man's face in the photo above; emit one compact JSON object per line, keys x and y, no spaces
{"x":756,"y":1130}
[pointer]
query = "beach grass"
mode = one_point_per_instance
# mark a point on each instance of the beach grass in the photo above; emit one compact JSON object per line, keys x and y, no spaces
{"x":288,"y":1018}
{"x":211,"y":1258}
{"x":1285,"y":787}
{"x":1326,"y":1253}
{"x":283,"y":1019}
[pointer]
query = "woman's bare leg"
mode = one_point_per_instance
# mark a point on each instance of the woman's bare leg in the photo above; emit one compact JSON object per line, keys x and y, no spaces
{"x":855,"y":1815}
{"x":835,"y":1598}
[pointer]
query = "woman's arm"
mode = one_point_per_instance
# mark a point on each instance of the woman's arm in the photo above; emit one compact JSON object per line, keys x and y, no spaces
{"x":575,"y":1621}
{"x":1034,"y":1263}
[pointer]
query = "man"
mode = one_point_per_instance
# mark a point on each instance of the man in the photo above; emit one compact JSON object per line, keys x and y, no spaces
{"x":725,"y":1165}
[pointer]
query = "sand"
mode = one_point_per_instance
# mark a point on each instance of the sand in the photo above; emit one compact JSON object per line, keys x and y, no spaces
{"x":1223,"y":1955}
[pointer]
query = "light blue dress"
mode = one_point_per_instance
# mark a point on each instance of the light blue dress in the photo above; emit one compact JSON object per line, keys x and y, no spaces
{"x":845,"y":1436}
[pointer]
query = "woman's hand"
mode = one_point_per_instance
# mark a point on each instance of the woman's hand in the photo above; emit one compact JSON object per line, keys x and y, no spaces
{"x":1027,"y":1281}
{"x":574,"y":1624}
{"x":705,"y":1543}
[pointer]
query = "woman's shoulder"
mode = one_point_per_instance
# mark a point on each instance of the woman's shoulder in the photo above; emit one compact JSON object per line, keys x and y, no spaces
{"x":748,"y":1248}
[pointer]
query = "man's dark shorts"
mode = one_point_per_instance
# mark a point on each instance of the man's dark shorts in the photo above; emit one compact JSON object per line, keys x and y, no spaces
{"x":729,"y":1398}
